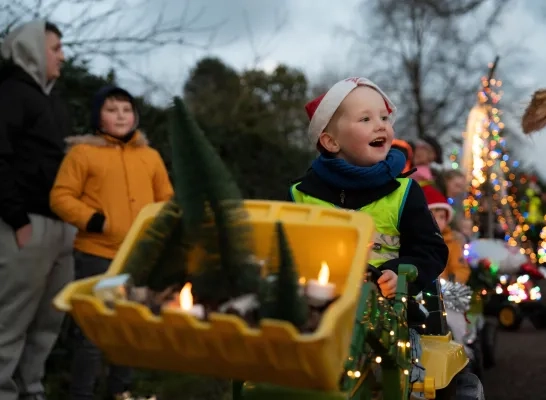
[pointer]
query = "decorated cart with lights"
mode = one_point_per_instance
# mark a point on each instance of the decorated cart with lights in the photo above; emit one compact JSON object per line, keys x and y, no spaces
{"x":516,"y":297}
{"x":506,"y":284}
{"x":271,"y":295}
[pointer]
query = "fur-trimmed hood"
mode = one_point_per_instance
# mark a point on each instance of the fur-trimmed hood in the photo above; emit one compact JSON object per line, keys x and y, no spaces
{"x":100,"y":140}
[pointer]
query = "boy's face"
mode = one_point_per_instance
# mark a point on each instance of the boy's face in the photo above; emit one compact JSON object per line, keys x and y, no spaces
{"x":117,"y":117}
{"x":361,"y":133}
{"x":440,"y":215}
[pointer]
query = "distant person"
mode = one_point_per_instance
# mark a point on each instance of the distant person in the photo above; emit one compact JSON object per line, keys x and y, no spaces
{"x":457,"y":269}
{"x":35,"y":245}
{"x":426,"y":151}
{"x":452,"y":183}
{"x":105,"y":180}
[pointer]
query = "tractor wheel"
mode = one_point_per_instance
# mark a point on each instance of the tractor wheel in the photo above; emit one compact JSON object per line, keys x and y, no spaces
{"x":510,"y":317}
{"x":538,"y":319}
{"x":476,"y":364}
{"x":465,"y":386}
{"x":488,"y":339}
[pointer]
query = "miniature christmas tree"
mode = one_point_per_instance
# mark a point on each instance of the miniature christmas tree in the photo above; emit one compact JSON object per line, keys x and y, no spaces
{"x":213,"y":214}
{"x":279,"y":294}
{"x":145,"y":259}
{"x":171,"y":266}
{"x":291,"y":306}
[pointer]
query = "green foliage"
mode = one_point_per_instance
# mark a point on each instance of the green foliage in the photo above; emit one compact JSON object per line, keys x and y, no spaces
{"x":190,"y":181}
{"x":279,"y":298}
{"x":213,"y":213}
{"x":256,"y":122}
{"x":159,"y":258}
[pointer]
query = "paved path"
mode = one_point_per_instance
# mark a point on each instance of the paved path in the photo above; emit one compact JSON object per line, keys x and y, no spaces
{"x":520,"y":372}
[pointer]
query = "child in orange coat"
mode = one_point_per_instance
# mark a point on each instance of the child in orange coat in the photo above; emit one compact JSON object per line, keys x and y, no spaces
{"x":104,"y":181}
{"x":457,"y":267}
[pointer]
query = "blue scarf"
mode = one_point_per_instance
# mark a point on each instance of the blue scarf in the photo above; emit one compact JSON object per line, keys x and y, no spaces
{"x":338,"y":173}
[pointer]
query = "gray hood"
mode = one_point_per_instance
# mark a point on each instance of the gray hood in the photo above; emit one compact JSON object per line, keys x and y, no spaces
{"x":26,"y":47}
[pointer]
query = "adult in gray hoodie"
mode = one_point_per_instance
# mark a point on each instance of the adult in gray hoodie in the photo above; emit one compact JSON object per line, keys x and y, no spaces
{"x":35,"y":245}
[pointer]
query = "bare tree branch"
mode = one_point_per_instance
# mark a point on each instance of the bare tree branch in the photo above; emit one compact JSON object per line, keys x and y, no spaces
{"x":258,"y":56}
{"x":118,"y":29}
{"x":429,"y":55}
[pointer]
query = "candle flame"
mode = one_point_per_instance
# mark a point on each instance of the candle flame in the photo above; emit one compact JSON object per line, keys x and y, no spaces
{"x":186,"y":298}
{"x":324,"y":273}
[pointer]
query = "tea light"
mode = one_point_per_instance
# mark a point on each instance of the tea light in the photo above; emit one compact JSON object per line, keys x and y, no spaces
{"x":186,"y":303}
{"x":321,"y":291}
{"x":112,"y":288}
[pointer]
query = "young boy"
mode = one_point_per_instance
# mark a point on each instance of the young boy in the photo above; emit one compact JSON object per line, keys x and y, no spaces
{"x":104,"y":181}
{"x":457,"y":267}
{"x":351,"y":126}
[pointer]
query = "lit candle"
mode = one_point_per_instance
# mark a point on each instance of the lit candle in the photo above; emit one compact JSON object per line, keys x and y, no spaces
{"x":321,"y":291}
{"x":186,"y":303}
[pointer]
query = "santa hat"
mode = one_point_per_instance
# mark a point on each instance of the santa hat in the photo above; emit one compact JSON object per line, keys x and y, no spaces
{"x":436,"y":200}
{"x":321,"y":109}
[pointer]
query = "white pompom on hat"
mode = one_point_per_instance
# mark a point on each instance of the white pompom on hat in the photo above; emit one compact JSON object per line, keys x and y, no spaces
{"x":322,"y":109}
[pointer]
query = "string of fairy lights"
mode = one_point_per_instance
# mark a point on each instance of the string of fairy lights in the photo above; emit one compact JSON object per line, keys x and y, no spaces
{"x":358,"y":368}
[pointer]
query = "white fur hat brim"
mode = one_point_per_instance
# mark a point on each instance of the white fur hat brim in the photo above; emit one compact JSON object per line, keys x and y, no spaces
{"x":443,"y":206}
{"x":333,"y":98}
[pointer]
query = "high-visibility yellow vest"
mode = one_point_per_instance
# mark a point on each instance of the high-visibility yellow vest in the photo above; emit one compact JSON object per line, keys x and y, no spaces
{"x":385,"y":212}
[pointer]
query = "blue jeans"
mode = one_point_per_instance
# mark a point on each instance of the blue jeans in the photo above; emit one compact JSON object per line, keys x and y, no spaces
{"x":87,"y":358}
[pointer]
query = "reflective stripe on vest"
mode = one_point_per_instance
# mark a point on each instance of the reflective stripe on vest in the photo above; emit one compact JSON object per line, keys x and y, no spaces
{"x":385,"y":212}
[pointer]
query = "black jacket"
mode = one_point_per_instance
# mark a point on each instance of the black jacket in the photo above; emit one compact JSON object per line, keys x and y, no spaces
{"x":33,"y":127}
{"x":421,"y":242}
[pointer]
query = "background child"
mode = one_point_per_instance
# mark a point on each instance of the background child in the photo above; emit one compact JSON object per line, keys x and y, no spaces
{"x":351,"y":126}
{"x":104,"y":181}
{"x":426,"y":152}
{"x":465,"y":227}
{"x":456,"y":267}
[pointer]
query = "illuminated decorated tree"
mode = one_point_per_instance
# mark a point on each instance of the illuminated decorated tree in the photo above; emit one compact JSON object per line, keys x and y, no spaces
{"x":493,"y":194}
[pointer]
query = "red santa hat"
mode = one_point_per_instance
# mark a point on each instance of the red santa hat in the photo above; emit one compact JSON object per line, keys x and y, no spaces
{"x":436,"y":200}
{"x":321,"y":109}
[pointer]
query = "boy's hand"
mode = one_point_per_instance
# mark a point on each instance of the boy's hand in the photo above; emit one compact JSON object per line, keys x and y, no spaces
{"x":387,"y":283}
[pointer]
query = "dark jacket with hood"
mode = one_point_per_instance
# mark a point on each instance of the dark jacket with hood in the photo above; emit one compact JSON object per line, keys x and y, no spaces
{"x":421,"y":242}
{"x":33,"y":125}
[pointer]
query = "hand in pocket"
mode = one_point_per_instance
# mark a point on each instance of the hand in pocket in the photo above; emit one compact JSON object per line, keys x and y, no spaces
{"x":23,"y":235}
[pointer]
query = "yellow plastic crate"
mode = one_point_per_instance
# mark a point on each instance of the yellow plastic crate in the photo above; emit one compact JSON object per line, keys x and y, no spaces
{"x":226,"y":347}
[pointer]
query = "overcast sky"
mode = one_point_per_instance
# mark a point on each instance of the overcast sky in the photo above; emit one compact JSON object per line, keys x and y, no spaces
{"x":303,"y":34}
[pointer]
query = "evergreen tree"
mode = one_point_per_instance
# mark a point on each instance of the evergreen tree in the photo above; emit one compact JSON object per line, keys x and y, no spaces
{"x":213,"y":213}
{"x":291,"y":306}
{"x":279,"y":295}
{"x":146,"y":260}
